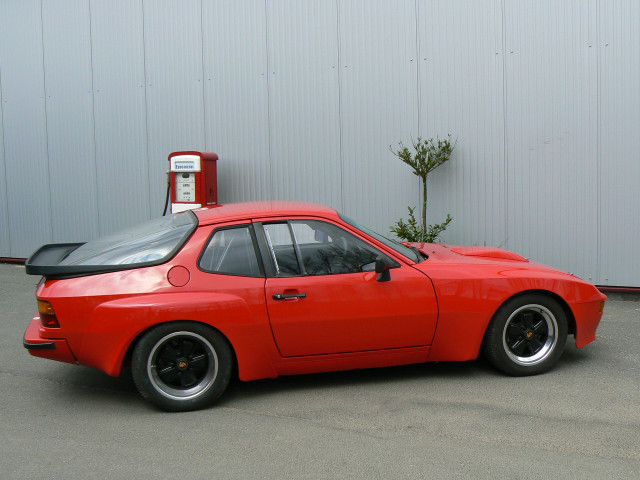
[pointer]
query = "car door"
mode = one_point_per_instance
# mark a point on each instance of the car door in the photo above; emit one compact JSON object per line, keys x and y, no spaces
{"x":323,"y":296}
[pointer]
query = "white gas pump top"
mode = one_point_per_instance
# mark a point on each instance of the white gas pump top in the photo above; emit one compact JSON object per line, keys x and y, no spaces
{"x":185,"y":163}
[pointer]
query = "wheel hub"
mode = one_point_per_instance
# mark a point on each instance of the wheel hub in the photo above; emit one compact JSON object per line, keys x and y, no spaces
{"x":182,"y":364}
{"x":530,"y":334}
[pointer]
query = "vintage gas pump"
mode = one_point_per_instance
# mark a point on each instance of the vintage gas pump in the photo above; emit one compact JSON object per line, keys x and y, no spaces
{"x":193,"y":179}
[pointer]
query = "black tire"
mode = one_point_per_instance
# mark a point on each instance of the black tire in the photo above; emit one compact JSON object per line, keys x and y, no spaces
{"x":527,"y":335}
{"x":181,"y":366}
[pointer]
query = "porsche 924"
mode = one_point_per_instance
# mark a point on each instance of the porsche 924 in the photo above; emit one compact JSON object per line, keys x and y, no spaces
{"x":263,"y":289}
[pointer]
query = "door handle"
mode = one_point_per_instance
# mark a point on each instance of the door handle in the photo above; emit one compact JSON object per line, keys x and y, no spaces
{"x":285,"y":296}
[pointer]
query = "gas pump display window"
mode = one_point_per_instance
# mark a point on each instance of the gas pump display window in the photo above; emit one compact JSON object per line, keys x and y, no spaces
{"x":186,"y":187}
{"x":153,"y":241}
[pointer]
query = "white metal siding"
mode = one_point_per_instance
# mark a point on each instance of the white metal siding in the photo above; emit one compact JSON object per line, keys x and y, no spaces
{"x":122,"y":164}
{"x":619,"y":142}
{"x":379,"y":107}
{"x":302,"y":99}
{"x":551,"y":133}
{"x":461,"y":92}
{"x":5,"y":242}
{"x":69,"y":105}
{"x":175,"y":91}
{"x":236,"y":97}
{"x":24,"y":127}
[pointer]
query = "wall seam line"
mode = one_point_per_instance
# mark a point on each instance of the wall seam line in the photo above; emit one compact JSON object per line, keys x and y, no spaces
{"x":93,"y":118}
{"x":46,"y":123}
{"x":266,"y":44}
{"x":4,"y":168}
{"x":204,"y":104}
{"x":504,"y":124}
{"x":146,"y":110}
{"x":340,"y":122}
{"x":418,"y":89}
{"x":599,"y":275}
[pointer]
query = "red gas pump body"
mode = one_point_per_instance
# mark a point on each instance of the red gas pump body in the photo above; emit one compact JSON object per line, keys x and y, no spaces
{"x":194,"y":180}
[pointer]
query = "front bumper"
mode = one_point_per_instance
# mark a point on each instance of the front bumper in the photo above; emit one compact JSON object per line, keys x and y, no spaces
{"x":588,"y":316}
{"x":51,"y":348}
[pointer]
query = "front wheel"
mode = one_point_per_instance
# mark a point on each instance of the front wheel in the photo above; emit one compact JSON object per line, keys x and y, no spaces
{"x":181,"y":366}
{"x":527,"y":335}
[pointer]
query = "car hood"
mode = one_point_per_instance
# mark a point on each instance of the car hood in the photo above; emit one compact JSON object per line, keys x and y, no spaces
{"x":457,"y":254}
{"x":443,"y":255}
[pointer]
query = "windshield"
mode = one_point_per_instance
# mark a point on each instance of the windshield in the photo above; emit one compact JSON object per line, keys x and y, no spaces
{"x":410,"y":253}
{"x":153,"y":241}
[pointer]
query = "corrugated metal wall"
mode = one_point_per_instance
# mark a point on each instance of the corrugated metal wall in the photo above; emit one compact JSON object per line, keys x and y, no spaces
{"x":301,"y":100}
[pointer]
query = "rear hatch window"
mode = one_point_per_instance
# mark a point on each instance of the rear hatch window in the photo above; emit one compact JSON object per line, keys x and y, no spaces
{"x":149,"y":243}
{"x":153,"y":241}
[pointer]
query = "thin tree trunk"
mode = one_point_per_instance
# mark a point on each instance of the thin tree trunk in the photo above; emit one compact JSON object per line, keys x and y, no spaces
{"x":424,"y":208}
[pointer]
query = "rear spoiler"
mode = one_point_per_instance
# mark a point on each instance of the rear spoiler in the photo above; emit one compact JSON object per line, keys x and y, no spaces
{"x":46,"y":261}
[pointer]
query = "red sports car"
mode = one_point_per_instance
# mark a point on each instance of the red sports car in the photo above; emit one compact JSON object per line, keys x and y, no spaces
{"x":279,"y":288}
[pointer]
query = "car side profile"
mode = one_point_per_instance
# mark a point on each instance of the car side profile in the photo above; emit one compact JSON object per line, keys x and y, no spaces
{"x":264,"y":289}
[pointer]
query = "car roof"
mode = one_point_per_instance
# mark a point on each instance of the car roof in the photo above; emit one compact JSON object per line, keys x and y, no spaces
{"x":245,"y":210}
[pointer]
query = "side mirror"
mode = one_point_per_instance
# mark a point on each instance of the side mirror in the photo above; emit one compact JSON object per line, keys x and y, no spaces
{"x":382,"y":269}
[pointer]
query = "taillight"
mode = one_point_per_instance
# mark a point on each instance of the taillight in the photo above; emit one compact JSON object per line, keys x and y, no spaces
{"x":47,"y":315}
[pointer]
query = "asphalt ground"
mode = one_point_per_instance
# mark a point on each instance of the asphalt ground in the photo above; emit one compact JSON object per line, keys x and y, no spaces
{"x":435,"y":421}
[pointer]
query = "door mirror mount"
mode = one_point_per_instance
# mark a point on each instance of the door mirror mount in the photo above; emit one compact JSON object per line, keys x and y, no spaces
{"x":382,"y":269}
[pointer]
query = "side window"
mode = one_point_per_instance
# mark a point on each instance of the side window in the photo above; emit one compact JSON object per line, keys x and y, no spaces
{"x":312,"y":247}
{"x":231,"y":251}
{"x":327,"y":249}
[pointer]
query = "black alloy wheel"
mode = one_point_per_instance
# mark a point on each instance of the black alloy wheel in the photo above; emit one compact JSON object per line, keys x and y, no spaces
{"x":527,"y":335}
{"x":530,"y":334}
{"x":181,"y":366}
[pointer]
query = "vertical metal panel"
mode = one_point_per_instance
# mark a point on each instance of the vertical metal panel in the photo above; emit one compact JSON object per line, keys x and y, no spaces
{"x":547,"y":127}
{"x":304,"y":101}
{"x":236,"y":97}
{"x":69,"y":98}
{"x":5,"y":242}
{"x":551,"y":107}
{"x":619,"y":117}
{"x":461,"y":92}
{"x":175,"y":94}
{"x":379,"y":107}
{"x":120,"y":114}
{"x":25,"y":138}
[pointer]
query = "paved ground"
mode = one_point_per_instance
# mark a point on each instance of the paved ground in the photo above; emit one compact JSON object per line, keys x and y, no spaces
{"x":435,"y":421}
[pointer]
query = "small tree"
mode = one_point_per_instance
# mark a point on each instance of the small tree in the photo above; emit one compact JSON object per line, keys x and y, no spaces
{"x":429,"y":155}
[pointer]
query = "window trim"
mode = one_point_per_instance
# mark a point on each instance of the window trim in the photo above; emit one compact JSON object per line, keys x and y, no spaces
{"x":254,"y":242}
{"x":296,"y":249}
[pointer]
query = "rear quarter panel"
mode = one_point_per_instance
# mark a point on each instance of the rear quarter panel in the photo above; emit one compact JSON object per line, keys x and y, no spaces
{"x":116,"y":324}
{"x":102,"y":315}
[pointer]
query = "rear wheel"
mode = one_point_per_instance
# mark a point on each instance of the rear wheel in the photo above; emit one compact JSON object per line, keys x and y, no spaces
{"x":527,"y":335}
{"x":181,"y":366}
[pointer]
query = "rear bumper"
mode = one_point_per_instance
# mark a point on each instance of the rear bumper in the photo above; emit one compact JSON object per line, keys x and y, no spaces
{"x":51,"y":348}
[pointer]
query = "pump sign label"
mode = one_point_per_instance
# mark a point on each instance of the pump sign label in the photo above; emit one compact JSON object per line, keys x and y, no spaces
{"x":189,"y":166}
{"x":185,"y":163}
